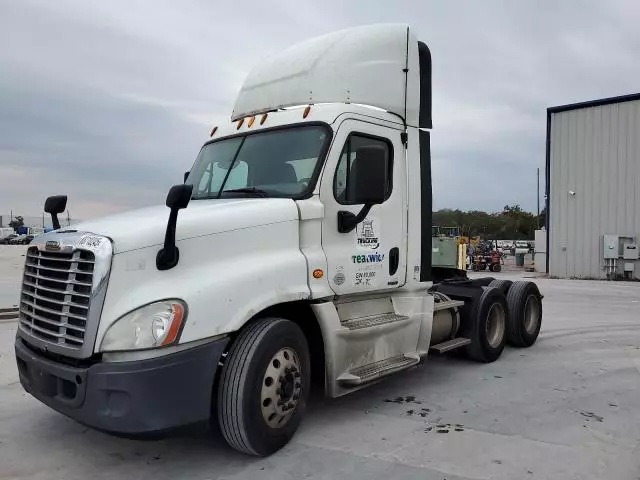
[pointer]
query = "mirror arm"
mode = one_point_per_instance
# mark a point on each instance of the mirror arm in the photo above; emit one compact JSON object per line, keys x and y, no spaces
{"x":177,"y":199}
{"x":169,"y":255}
{"x":347,"y":221}
{"x":55,"y":223}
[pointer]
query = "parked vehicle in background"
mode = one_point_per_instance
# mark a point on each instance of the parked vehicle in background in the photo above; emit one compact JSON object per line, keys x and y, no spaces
{"x":17,"y":239}
{"x":6,"y":239}
{"x":21,"y":240}
{"x":5,"y":232}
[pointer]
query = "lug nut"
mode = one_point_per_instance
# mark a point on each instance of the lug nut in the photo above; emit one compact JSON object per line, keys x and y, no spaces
{"x":277,"y":391}
{"x":298,"y":385}
{"x":296,"y":396}
{"x":290,"y":406}
{"x":296,"y":374}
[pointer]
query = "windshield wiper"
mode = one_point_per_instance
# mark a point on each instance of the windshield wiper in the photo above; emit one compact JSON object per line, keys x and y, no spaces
{"x":252,"y":190}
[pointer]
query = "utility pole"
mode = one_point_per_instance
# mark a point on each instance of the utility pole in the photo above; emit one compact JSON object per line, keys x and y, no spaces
{"x":538,"y":201}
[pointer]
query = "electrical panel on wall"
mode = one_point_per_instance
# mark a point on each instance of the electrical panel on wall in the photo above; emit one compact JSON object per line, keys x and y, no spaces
{"x":630,"y":251}
{"x":611,"y":246}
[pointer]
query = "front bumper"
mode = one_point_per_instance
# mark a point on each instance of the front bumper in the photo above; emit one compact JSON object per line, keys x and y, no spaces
{"x":130,"y":398}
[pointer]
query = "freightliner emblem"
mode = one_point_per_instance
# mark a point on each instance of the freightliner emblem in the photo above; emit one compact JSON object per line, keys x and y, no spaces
{"x":52,"y":245}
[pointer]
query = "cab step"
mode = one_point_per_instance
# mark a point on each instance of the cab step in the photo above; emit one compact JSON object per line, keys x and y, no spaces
{"x":373,"y":371}
{"x":373,"y":321}
{"x":450,"y":345}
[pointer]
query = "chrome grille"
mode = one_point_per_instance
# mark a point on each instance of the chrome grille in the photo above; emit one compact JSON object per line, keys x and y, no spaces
{"x":56,"y":294}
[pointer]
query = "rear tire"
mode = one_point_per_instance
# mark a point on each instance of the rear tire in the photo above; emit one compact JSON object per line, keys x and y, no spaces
{"x":496,"y":267}
{"x":503,"y":285}
{"x":264,"y":386}
{"x":525,"y":314}
{"x":487,"y":331}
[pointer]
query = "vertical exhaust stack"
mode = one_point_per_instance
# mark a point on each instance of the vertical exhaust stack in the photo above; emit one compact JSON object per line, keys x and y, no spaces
{"x":53,"y":206}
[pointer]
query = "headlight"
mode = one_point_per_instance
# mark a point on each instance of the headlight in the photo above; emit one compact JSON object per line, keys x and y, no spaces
{"x":155,"y":325}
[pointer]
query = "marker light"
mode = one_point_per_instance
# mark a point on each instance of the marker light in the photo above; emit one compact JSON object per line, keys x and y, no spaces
{"x":307,"y":109}
{"x":250,"y":122}
{"x":264,"y":118}
{"x":213,"y":131}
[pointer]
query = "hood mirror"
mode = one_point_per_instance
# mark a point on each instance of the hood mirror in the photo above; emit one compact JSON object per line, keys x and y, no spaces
{"x":177,"y":199}
{"x":55,"y":205}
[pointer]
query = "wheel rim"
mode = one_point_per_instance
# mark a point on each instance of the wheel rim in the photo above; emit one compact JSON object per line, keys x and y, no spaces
{"x":495,"y":325}
{"x":281,"y":388}
{"x":531,"y":314}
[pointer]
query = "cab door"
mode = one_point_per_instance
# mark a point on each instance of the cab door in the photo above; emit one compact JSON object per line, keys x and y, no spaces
{"x":371,"y":256}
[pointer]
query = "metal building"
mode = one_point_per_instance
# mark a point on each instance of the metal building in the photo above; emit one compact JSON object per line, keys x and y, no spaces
{"x":593,"y":188}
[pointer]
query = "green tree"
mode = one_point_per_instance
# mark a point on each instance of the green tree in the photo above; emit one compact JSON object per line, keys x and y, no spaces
{"x":511,"y":223}
{"x":542,"y":218}
{"x":17,"y":222}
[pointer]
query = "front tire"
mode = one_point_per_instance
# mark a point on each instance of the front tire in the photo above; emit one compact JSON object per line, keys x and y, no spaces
{"x":264,"y":386}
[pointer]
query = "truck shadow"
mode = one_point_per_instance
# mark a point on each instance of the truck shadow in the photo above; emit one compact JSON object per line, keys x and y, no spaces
{"x":84,"y":451}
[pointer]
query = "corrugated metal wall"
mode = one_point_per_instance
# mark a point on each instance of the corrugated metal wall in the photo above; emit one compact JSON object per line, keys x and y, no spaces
{"x":594,"y":152}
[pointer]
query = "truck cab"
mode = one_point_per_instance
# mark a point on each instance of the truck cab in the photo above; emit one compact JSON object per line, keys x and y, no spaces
{"x":297,"y":248}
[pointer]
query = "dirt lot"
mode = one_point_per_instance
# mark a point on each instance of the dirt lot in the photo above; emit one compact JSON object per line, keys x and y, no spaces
{"x":567,"y":408}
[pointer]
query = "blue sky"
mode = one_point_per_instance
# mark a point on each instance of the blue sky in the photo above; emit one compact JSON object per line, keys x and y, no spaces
{"x":109,"y":102}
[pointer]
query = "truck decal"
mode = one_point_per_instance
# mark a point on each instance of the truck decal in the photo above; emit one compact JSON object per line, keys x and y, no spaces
{"x":370,"y":258}
{"x":366,"y":236}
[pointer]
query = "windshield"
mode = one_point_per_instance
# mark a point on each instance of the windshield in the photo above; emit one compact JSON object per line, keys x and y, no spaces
{"x":276,"y":163}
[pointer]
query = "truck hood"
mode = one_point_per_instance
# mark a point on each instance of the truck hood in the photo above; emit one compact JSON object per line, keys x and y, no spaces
{"x":146,"y":227}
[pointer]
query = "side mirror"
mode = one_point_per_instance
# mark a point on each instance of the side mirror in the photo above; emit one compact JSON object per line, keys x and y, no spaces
{"x":186,"y":175}
{"x":368,"y":182}
{"x":367,"y":185}
{"x":177,"y":199}
{"x":55,"y":205}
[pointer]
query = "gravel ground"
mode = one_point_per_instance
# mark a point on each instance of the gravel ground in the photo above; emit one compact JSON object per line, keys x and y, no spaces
{"x":567,"y":408}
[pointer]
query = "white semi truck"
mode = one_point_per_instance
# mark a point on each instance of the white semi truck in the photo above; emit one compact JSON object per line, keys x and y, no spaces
{"x":298,"y":248}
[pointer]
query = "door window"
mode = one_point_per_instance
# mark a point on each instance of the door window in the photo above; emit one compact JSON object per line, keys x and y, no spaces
{"x":348,"y":166}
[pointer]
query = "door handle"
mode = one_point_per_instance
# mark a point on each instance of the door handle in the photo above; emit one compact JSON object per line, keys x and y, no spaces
{"x":394,"y":260}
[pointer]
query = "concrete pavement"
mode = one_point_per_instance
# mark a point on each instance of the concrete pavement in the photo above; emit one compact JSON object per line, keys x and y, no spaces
{"x":11,"y":263}
{"x":567,"y":408}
